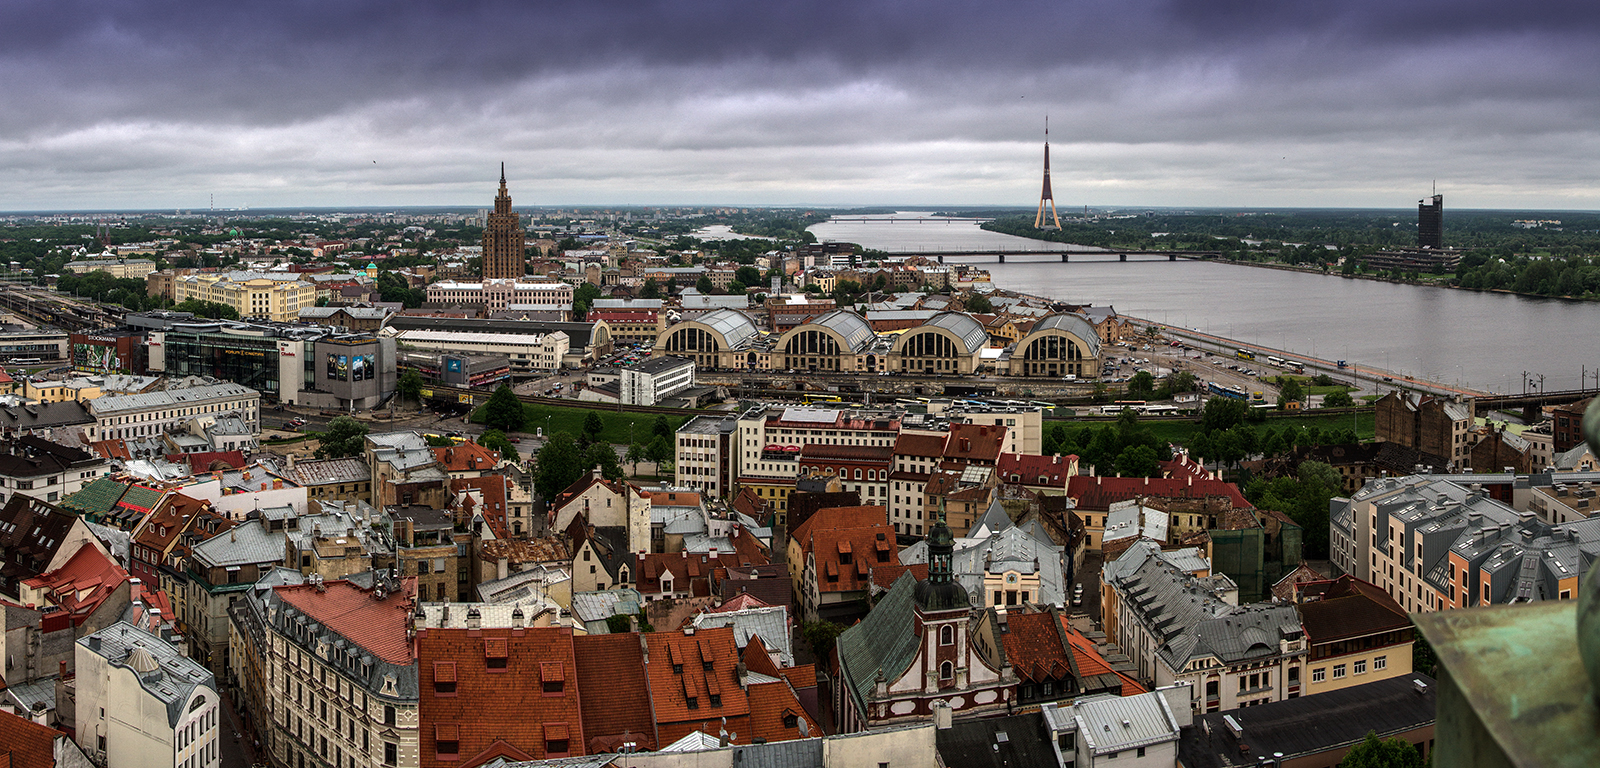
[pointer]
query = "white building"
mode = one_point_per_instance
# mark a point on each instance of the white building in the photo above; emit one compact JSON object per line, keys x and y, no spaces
{"x":500,"y":294}
{"x":647,"y":383}
{"x":1139,"y":731}
{"x":154,"y":413}
{"x":527,"y":351}
{"x":142,"y":704}
{"x":1177,"y":627}
{"x":33,"y":466}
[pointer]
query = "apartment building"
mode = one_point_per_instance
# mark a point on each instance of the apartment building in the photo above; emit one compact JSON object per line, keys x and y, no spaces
{"x":502,"y":293}
{"x":1430,"y":424}
{"x":270,"y":296}
{"x":33,"y":466}
{"x":154,"y":413}
{"x":142,"y":704}
{"x":1434,"y":542}
{"x":1180,"y":628}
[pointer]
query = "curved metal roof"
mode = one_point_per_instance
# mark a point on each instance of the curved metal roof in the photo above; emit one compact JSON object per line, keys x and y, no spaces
{"x":849,"y":325}
{"x":970,"y":331}
{"x":1071,"y":323}
{"x":734,"y":326}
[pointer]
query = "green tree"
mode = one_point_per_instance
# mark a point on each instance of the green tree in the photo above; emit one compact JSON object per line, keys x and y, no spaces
{"x":343,"y":437}
{"x":602,"y":455}
{"x":659,"y":452}
{"x":651,"y":289}
{"x":748,"y":275}
{"x":1142,"y":386}
{"x":593,"y":425}
{"x":504,"y":411}
{"x":583,"y":298}
{"x":979,"y":305}
{"x":662,"y":427}
{"x":619,"y":624}
{"x":1337,"y":400}
{"x":636,"y":454}
{"x":211,"y":310}
{"x":704,"y":285}
{"x":560,"y":464}
{"x":1179,"y":381}
{"x":821,"y":636}
{"x":1374,"y":752}
{"x":1289,"y":390}
{"x":409,"y":386}
{"x":495,"y":440}
{"x":1222,"y":413}
{"x":1138,"y":461}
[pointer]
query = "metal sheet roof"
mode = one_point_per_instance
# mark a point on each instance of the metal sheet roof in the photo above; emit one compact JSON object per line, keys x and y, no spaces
{"x":970,"y":331}
{"x":848,"y":325}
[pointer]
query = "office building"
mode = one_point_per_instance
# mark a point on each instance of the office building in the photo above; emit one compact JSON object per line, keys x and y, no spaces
{"x":1430,"y":222}
{"x":503,"y":239}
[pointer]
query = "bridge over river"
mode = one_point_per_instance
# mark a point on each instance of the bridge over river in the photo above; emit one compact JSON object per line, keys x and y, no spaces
{"x":1002,"y":255}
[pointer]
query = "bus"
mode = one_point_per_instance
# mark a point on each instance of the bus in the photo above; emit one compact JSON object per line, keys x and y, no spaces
{"x":811,"y":399}
{"x":1278,"y":361}
{"x":1237,"y":393}
{"x":1257,"y":397}
{"x":1130,"y":403}
{"x":1160,"y":410}
{"x":1244,"y":354}
{"x":1297,"y":367}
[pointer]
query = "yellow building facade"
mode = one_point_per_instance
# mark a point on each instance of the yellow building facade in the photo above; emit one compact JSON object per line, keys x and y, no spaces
{"x":259,"y":297}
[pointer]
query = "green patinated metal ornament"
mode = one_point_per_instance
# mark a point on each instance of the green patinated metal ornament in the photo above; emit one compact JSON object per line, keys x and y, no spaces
{"x":1589,"y":591}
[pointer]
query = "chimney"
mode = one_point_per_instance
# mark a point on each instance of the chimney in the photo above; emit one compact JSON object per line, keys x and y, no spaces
{"x":516,"y":617}
{"x":40,"y":715}
{"x":474,"y":618}
{"x":502,"y":568}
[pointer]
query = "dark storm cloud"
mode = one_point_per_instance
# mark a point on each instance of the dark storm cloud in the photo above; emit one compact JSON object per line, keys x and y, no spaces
{"x":145,"y":103}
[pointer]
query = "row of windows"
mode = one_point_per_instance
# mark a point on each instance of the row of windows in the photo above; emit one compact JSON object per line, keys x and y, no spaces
{"x":1358,"y":667}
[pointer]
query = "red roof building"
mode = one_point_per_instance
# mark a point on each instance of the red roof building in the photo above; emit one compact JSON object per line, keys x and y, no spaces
{"x":837,"y":560}
{"x":488,"y":693}
{"x":612,"y":687}
{"x":681,"y":574}
{"x":1049,"y":667}
{"x":466,"y":459}
{"x":694,"y":683}
{"x":1095,"y":495}
{"x":178,"y":523}
{"x":80,"y":586}
{"x":26,"y":744}
{"x":488,"y":496}
{"x":1048,"y":474}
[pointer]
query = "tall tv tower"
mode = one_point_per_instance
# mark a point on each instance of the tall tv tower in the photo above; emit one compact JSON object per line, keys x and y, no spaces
{"x":1045,"y":197}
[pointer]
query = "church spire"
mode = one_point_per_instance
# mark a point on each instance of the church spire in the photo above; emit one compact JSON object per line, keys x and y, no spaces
{"x":503,"y":167}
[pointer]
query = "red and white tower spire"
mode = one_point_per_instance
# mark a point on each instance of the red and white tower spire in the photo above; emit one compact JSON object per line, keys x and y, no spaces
{"x":1045,"y":198}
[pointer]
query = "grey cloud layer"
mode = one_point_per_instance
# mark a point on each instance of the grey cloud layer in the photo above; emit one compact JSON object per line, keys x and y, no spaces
{"x":157,"y":104}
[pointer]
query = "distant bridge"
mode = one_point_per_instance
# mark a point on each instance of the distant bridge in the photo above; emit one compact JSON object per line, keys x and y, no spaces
{"x":1530,"y":401}
{"x":902,"y":220}
{"x":1097,"y":254}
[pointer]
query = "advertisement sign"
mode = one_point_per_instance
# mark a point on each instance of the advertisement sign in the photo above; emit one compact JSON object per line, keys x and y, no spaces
{"x":358,"y":368}
{"x":464,"y":399}
{"x":333,"y":366}
{"x":427,"y":393}
{"x":452,"y":364}
{"x":344,"y":368}
{"x":371,"y":365}
{"x":97,"y":358}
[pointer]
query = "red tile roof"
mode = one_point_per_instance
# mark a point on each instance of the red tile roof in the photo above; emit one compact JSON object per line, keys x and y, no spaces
{"x":840,"y":517}
{"x":756,"y":658}
{"x":1097,"y":494}
{"x":1047,"y":471}
{"x":534,"y":693}
{"x":884,"y":576}
{"x":975,"y":443}
{"x":673,"y":498}
{"x":773,"y":706}
{"x":739,"y":603}
{"x":846,"y":557}
{"x":493,"y":491}
{"x":26,"y":744}
{"x":1091,"y":663}
{"x":691,"y":569}
{"x":111,"y":449}
{"x":919,"y":445}
{"x":803,"y":676}
{"x":613,"y":689}
{"x":750,"y":503}
{"x":378,"y":627}
{"x":1033,"y":646}
{"x":466,"y":457}
{"x":1348,"y":607}
{"x":82,"y":583}
{"x":685,"y":667}
{"x":207,"y":461}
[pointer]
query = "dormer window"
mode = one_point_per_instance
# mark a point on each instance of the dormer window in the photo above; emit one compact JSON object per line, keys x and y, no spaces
{"x":444,"y":678}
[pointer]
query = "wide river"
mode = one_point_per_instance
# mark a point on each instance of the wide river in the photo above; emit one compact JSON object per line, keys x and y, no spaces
{"x":1484,"y":341}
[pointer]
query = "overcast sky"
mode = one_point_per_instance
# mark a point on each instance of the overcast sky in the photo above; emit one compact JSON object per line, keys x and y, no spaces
{"x":130,"y":104}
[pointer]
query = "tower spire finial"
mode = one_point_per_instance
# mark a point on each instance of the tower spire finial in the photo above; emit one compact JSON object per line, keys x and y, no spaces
{"x":502,"y":172}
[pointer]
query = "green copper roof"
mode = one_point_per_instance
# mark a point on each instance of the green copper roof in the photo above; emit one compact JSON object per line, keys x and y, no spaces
{"x":883,"y":640}
{"x":96,"y":498}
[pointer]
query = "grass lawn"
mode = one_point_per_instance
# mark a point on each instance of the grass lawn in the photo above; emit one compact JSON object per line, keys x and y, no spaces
{"x":1181,"y":431}
{"x":557,"y":419}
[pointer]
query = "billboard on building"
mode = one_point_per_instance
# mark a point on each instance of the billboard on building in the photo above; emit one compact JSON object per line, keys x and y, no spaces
{"x":96,"y":358}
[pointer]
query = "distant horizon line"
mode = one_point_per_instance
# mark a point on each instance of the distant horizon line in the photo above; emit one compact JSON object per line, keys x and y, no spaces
{"x":888,"y":208}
